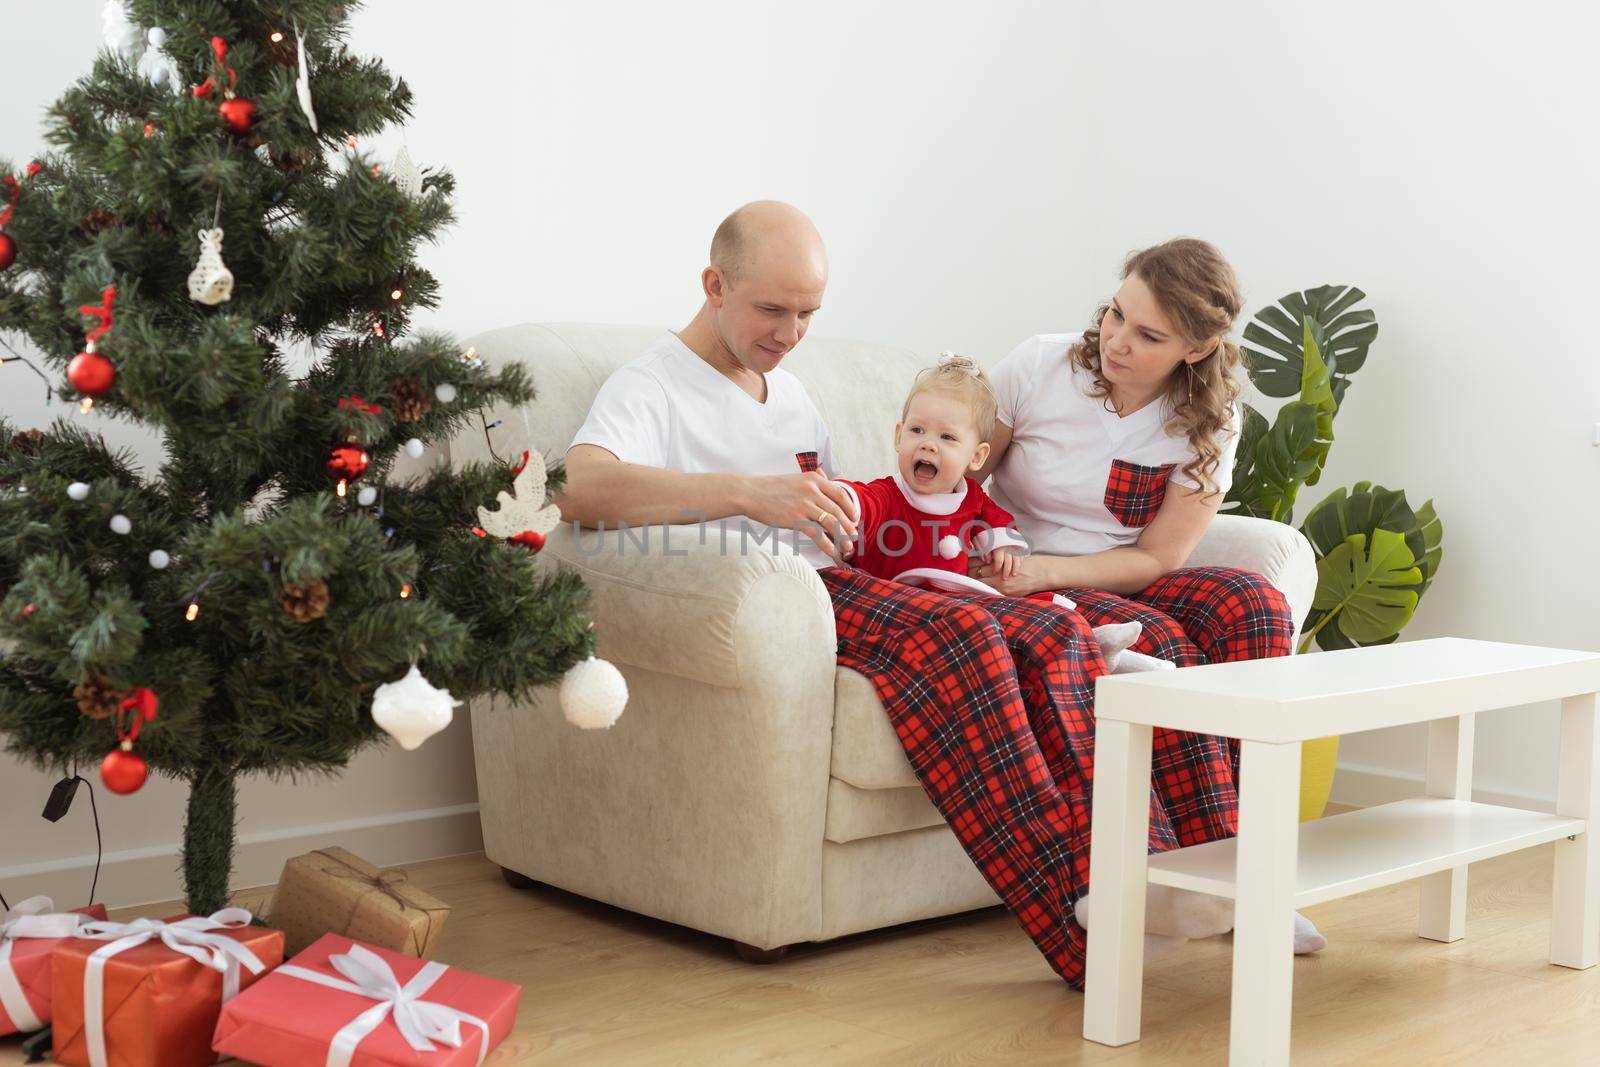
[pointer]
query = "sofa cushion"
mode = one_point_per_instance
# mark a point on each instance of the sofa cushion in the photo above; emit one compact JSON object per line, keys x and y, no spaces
{"x":866,"y":752}
{"x":854,"y":813}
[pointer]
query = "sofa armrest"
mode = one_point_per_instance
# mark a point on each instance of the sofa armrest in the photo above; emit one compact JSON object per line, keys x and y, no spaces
{"x":1279,"y":553}
{"x":663,"y":601}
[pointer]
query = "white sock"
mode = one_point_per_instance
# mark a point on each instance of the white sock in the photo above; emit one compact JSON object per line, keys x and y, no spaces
{"x":1115,"y":638}
{"x":1307,"y":938}
{"x":1173,"y":916}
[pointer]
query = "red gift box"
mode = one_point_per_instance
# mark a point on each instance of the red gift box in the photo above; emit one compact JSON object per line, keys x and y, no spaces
{"x":147,"y":993}
{"x":344,"y":1003}
{"x":28,"y":934}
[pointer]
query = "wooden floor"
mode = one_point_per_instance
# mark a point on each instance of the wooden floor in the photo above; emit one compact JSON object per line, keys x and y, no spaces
{"x":606,"y":987}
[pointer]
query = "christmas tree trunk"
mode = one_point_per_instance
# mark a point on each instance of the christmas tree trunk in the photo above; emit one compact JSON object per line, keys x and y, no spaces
{"x":208,"y":839}
{"x":235,"y":608}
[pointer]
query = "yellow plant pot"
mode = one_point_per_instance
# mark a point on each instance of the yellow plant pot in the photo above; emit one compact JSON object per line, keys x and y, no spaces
{"x":1317,"y":761}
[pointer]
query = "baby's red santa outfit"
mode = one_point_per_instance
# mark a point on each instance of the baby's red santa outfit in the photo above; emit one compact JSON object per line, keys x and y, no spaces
{"x":899,"y":529}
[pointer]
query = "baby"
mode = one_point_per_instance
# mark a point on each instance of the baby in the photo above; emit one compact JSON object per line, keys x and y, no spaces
{"x":928,"y":513}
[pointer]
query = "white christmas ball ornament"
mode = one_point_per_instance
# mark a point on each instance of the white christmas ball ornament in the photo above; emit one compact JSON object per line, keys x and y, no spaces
{"x":366,"y":495}
{"x":159,"y":559}
{"x":415,"y":448}
{"x":121,"y":524}
{"x":445,"y":391}
{"x":949,"y":546}
{"x":78,"y":490}
{"x":412,"y":710}
{"x":593,"y":694}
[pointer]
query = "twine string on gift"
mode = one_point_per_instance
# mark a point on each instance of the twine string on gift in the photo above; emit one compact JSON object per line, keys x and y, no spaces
{"x":385,"y":882}
{"x":420,"y":1022}
{"x":193,"y":937}
{"x":34,"y":917}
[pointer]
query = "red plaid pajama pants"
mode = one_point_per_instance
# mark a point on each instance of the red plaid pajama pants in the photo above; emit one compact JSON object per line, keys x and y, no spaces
{"x":993,"y":701}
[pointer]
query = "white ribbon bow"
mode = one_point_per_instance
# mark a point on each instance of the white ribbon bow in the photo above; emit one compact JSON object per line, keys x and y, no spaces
{"x":34,"y":917}
{"x":419,"y":1021}
{"x":192,"y":937}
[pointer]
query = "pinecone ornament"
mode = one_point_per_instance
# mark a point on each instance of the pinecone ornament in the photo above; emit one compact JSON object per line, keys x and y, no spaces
{"x":27,"y":441}
{"x":97,"y":221}
{"x":304,"y":603}
{"x":157,"y":222}
{"x":410,"y":400}
{"x":96,"y":698}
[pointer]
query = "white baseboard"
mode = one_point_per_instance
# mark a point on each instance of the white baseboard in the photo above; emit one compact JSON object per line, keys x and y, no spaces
{"x":144,"y":875}
{"x":1364,"y":786}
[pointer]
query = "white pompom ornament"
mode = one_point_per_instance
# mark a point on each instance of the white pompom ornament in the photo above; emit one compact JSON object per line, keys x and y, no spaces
{"x":412,"y":710}
{"x":121,"y":524}
{"x":366,"y":495}
{"x":949,"y":546}
{"x":211,"y":282}
{"x":415,"y":448}
{"x":159,"y":559}
{"x":445,"y":391}
{"x":78,"y":490}
{"x":593,"y":694}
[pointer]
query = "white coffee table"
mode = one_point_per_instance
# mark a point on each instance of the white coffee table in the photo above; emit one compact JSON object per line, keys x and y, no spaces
{"x":1277,"y":865}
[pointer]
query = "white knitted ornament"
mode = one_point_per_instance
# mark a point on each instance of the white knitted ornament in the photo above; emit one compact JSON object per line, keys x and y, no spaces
{"x":211,"y":282}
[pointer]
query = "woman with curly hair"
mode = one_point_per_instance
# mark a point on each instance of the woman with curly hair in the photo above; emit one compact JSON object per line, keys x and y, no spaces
{"x":1113,"y":450}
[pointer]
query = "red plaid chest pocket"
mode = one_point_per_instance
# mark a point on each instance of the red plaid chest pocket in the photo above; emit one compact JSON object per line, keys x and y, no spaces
{"x":1134,"y":492}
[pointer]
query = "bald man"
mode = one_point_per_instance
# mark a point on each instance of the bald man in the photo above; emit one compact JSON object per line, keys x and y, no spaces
{"x":706,"y":424}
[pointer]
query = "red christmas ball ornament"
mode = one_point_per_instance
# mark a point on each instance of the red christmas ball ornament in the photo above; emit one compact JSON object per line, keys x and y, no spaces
{"x":347,"y":462}
{"x":8,"y":251}
{"x":532,"y":540}
{"x":238,"y":114}
{"x":91,"y":373}
{"x":124,"y":770}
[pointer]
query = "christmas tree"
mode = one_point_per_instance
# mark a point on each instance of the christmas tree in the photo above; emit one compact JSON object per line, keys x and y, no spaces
{"x":234,"y":611}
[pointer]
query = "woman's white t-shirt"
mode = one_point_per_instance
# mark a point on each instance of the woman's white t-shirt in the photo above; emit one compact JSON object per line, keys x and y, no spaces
{"x":1078,"y":478}
{"x":671,"y":409}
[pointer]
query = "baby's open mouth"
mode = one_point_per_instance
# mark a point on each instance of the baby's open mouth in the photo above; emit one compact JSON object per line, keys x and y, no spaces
{"x":923,"y":471}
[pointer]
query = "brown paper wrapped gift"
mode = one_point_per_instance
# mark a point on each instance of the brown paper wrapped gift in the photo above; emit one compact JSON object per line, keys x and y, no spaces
{"x":334,"y":891}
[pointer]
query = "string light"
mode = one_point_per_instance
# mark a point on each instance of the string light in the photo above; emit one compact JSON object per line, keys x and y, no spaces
{"x":377,"y":329}
{"x":277,"y":37}
{"x":192,"y":612}
{"x":396,"y":295}
{"x":149,"y":128}
{"x":405,"y":590}
{"x":86,"y":404}
{"x":340,"y":488}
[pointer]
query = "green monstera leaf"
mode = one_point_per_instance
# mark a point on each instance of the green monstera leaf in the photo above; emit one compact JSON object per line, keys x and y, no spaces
{"x":1376,"y":515}
{"x":1285,"y":457}
{"x":1244,"y":493}
{"x":1316,"y":389}
{"x":1273,"y":348}
{"x":1366,"y":591}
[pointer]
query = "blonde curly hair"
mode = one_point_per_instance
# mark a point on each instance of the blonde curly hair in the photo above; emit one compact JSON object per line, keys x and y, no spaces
{"x":1199,"y":292}
{"x":962,"y":377}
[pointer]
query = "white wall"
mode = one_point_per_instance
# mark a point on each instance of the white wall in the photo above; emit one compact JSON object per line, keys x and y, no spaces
{"x":978,"y":171}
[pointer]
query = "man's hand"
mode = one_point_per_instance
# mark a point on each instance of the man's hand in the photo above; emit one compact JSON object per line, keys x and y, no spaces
{"x":808,"y":502}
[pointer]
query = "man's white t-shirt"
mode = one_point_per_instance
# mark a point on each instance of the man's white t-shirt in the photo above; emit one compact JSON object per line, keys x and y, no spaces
{"x":671,"y":409}
{"x":1078,"y":478}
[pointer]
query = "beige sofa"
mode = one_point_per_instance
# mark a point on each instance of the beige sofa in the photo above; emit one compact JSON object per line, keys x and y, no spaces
{"x":752,"y":789}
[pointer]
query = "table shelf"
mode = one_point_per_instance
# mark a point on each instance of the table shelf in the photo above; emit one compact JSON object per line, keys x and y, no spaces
{"x":1378,"y":846}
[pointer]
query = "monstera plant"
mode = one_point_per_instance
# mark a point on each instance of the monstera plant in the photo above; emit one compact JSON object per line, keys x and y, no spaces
{"x":1376,"y":556}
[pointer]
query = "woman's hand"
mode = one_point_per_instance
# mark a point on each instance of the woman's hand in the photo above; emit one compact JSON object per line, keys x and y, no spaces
{"x":1025,"y":575}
